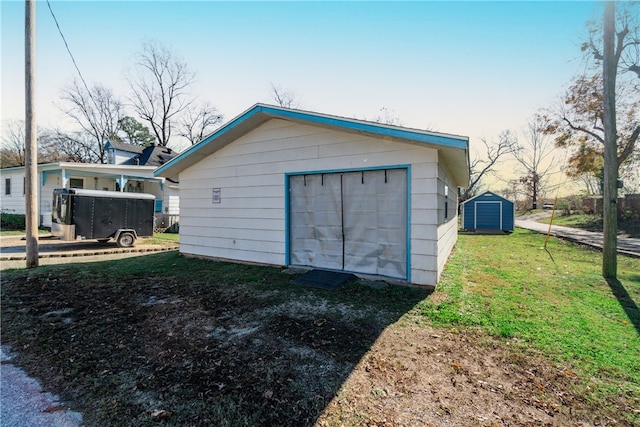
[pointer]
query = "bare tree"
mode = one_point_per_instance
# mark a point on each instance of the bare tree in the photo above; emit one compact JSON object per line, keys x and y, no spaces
{"x":283,"y":98}
{"x":159,"y":85}
{"x":512,"y":191}
{"x":97,"y":111}
{"x":68,"y":147}
{"x":625,"y":39}
{"x":13,"y":144}
{"x":536,"y":156}
{"x":482,"y":166}
{"x":198,"y":122}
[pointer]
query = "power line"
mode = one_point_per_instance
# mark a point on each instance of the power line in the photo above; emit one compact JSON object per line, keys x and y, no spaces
{"x":70,"y":54}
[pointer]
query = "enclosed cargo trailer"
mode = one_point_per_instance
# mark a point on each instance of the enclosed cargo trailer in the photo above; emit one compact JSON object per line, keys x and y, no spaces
{"x":102,"y":215}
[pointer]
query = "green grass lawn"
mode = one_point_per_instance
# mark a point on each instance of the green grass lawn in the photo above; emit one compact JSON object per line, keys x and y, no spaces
{"x":170,"y":237}
{"x":555,"y":301}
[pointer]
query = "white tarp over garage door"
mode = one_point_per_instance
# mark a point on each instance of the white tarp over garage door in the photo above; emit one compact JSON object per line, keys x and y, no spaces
{"x":351,"y":221}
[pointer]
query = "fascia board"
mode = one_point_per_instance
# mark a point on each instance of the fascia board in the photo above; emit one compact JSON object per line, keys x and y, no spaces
{"x":260,"y":113}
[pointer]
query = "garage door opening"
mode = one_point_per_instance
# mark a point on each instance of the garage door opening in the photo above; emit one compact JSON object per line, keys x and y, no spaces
{"x":488,"y":216}
{"x":350,"y":221}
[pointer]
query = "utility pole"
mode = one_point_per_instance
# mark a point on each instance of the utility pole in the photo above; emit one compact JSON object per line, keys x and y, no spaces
{"x":31,"y":143}
{"x":610,"y":193}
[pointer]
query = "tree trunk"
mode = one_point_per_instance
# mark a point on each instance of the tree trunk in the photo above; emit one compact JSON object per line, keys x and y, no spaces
{"x":610,"y":211}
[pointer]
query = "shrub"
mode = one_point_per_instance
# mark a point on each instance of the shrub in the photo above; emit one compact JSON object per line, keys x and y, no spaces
{"x":11,"y":221}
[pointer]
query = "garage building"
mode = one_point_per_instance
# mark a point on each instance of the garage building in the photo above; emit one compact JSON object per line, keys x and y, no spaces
{"x":289,"y":187}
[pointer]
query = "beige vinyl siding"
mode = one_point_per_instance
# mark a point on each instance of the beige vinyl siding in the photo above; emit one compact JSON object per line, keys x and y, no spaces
{"x":171,"y":200}
{"x":424,"y":212}
{"x":249,"y":223}
{"x":447,"y":238}
{"x":14,"y":202}
{"x":447,"y":225}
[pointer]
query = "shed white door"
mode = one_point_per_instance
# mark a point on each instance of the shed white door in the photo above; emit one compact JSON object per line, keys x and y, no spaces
{"x":351,"y":221}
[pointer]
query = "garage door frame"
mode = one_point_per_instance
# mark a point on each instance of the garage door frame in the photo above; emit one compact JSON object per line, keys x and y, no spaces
{"x":287,"y":188}
{"x":483,"y":226}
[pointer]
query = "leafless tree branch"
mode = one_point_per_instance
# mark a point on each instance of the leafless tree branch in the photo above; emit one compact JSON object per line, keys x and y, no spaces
{"x":198,"y":122}
{"x":160,"y":88}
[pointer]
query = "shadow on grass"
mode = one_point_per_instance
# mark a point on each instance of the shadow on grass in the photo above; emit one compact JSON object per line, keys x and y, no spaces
{"x":180,"y":341}
{"x":626,"y":302}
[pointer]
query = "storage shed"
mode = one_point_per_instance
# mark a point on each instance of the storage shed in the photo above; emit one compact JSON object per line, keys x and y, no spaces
{"x":488,"y":211}
{"x":281,"y":186}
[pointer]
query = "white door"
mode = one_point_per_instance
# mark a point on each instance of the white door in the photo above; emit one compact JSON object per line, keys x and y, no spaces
{"x":350,"y":221}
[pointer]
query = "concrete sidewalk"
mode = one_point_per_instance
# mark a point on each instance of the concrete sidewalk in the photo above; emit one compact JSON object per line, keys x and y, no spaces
{"x":626,"y":246}
{"x":23,"y":402}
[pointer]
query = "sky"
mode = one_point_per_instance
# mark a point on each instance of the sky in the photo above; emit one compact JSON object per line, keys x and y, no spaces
{"x":472,"y":68}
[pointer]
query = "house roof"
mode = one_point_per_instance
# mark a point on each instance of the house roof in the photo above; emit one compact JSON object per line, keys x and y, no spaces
{"x":124,"y":146}
{"x":453,"y":149}
{"x":152,"y":156}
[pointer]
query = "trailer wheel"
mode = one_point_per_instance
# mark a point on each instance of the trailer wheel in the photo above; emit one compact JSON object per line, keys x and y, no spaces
{"x":126,"y":240}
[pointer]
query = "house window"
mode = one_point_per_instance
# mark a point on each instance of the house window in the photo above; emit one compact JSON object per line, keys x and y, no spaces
{"x":7,"y":186}
{"x":76,"y":183}
{"x":446,"y":202}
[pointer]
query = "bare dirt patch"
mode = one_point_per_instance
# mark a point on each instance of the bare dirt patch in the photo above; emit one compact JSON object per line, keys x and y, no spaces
{"x":145,"y":350}
{"x":433,"y":377}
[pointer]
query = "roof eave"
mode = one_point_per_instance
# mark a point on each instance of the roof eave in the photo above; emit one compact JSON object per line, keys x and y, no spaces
{"x":212,"y":143}
{"x":260,"y":113}
{"x":485,"y":192}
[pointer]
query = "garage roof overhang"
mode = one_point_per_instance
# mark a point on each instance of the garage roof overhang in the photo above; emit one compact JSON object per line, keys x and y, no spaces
{"x":453,"y":149}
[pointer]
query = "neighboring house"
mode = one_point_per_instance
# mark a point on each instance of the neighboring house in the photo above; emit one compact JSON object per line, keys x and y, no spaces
{"x":488,"y":211}
{"x":288,"y":187}
{"x":134,"y":175}
{"x":120,"y":153}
